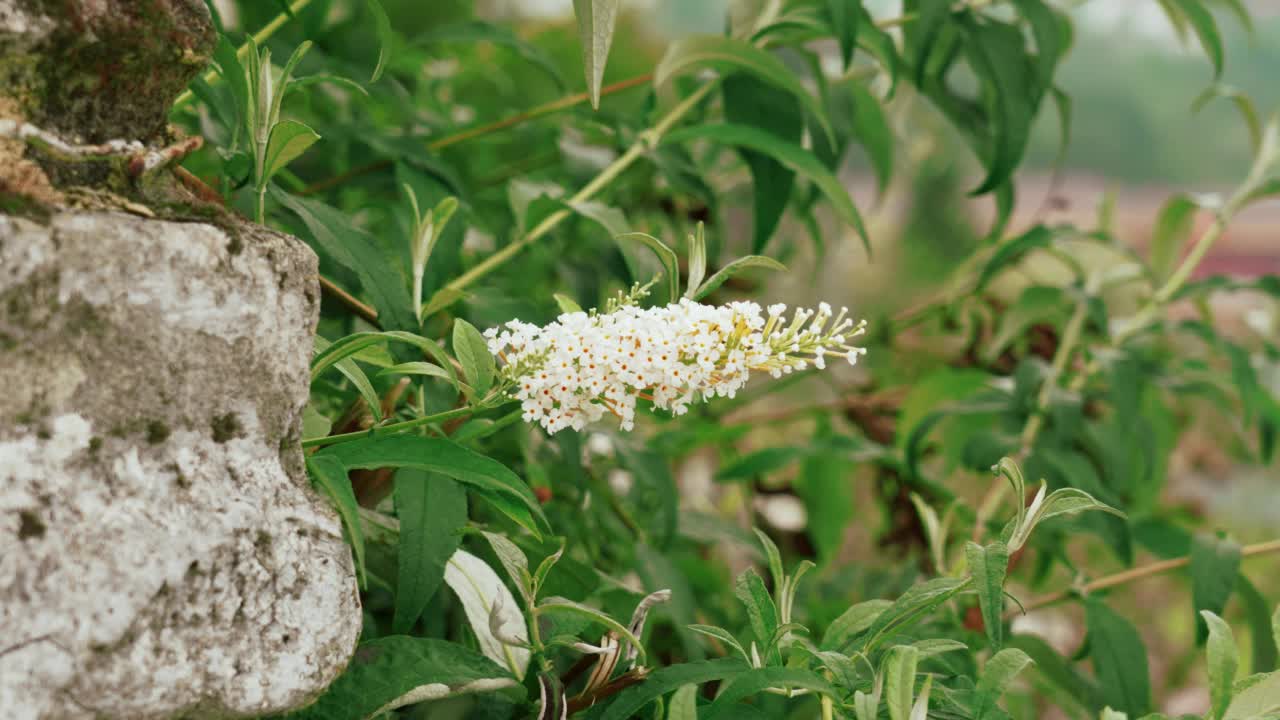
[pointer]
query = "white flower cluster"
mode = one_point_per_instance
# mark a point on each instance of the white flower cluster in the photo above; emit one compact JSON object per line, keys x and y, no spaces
{"x":574,"y":370}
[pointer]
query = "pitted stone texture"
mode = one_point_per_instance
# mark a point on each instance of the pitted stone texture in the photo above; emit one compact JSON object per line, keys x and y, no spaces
{"x":96,"y":70}
{"x":161,"y":552}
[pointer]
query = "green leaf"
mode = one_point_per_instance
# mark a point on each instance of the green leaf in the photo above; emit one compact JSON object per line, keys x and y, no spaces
{"x":1215,"y":563}
{"x":723,"y":636}
{"x":872,"y":131}
{"x":351,"y":371}
{"x":988,"y":566}
{"x":1257,"y":611}
{"x":1170,"y":234}
{"x":1260,"y":699}
{"x":1223,"y":661}
{"x":596,"y":20}
{"x":852,"y":622}
{"x":756,"y":680}
{"x":825,"y":485}
{"x":844,"y":16}
{"x":354,"y":345}
{"x":1059,"y":672}
{"x":666,"y":256}
{"x":491,"y":609}
{"x":314,"y":425}
{"x":1119,"y":659}
{"x":726,"y":55}
{"x":761,"y":610}
{"x":565,"y":605}
{"x":289,"y":139}
{"x":1206,"y":29}
{"x":473,"y":354}
{"x":1244,"y":105}
{"x":471,"y":31}
{"x":752,"y":102}
{"x":660,"y":682}
{"x":432,"y":510}
{"x":999,"y":671}
{"x":332,"y":231}
{"x":911,"y":606}
{"x":501,"y":487}
{"x":331,"y":476}
{"x":763,"y":461}
{"x":997,"y":55}
{"x":684,"y":704}
{"x":425,"y":369}
{"x":514,"y":562}
{"x":733,"y":268}
{"x":382,"y":26}
{"x":697,"y":260}
{"x":773,"y":556}
{"x":390,"y":672}
{"x":566,"y":303}
{"x":900,"y":680}
{"x":789,"y":154}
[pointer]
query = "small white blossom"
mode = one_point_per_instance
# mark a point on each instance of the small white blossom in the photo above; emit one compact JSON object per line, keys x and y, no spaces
{"x":575,"y":370}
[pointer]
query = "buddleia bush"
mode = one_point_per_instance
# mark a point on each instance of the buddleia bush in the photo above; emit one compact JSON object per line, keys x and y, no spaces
{"x":547,"y":262}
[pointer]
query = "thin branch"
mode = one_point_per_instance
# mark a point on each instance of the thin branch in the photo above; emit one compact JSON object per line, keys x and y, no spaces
{"x":545,"y":109}
{"x":620,"y":683}
{"x":1132,"y":574}
{"x":366,"y":313}
{"x":259,"y":38}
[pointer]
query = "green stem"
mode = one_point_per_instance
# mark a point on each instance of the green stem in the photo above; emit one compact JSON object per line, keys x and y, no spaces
{"x":392,"y":428}
{"x":258,"y":38}
{"x":1070,"y":338}
{"x":260,"y":212}
{"x":452,"y":292}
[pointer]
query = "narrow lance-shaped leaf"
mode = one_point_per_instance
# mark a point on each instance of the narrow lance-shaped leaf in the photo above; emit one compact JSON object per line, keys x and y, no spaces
{"x":999,"y":671}
{"x":844,"y":16}
{"x":432,"y":510}
{"x":331,"y":476}
{"x":684,"y":704}
{"x":1206,"y":30}
{"x":900,"y":678}
{"x":757,"y":680}
{"x":382,"y":27}
{"x":752,"y":102}
{"x":1223,"y":661}
{"x":723,"y":274}
{"x":503,"y":488}
{"x":596,"y":21}
{"x":669,"y":678}
{"x":473,"y":354}
{"x":1215,"y":563}
{"x":790,"y":155}
{"x":1119,"y":659}
{"x":761,"y":610}
{"x":728,"y":54}
{"x":289,"y":139}
{"x":398,"y":670}
{"x":491,"y":610}
{"x":988,"y":566}
{"x":666,"y":256}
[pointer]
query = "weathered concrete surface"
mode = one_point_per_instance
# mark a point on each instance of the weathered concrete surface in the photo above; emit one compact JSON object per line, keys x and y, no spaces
{"x":161,"y":551}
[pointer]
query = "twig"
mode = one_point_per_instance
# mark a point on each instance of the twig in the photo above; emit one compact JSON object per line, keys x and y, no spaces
{"x":549,"y":108}
{"x":620,"y":683}
{"x":258,"y":38}
{"x":1132,"y":574}
{"x":365,"y":312}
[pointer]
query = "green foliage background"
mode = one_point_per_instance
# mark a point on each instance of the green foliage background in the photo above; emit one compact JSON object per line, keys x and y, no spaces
{"x":431,"y":152}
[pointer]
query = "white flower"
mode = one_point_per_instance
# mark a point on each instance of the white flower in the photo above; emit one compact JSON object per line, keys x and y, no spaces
{"x":574,"y":370}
